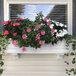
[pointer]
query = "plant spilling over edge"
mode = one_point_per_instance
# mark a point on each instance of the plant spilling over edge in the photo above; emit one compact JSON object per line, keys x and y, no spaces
{"x":25,"y":33}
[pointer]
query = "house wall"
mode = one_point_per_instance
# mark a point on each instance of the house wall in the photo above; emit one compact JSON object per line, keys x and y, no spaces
{"x":1,"y":14}
{"x":74,"y":17}
{"x":34,"y":65}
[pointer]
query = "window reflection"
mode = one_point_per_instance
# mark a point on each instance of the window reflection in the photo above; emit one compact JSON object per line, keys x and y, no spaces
{"x":54,"y":12}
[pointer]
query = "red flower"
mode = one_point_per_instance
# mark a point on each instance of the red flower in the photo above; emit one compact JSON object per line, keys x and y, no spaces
{"x":6,"y":32}
{"x":9,"y":20}
{"x":15,"y":19}
{"x":16,"y":24}
{"x":5,"y":22}
{"x":14,"y":34}
{"x":21,"y":18}
{"x":23,"y":49}
{"x":11,"y":23}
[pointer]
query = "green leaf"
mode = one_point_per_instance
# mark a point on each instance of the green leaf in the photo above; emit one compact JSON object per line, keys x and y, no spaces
{"x":73,"y":61}
{"x":72,"y":53}
{"x":2,"y":63}
{"x":74,"y":72}
{"x":1,"y":71}
{"x":0,"y":56}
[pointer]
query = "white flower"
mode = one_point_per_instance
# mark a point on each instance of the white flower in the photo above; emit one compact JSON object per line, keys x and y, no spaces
{"x":55,"y":30}
{"x":51,"y":26}
{"x":57,"y":23}
{"x":65,"y":25}
{"x":61,"y":24}
{"x":48,"y":20}
{"x":65,"y":31}
{"x":62,"y":33}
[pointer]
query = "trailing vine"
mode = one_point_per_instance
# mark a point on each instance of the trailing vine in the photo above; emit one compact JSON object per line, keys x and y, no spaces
{"x":3,"y":44}
{"x":71,"y":62}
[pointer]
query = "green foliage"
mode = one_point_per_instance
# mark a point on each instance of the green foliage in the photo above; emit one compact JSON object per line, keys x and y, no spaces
{"x":31,"y":36}
{"x":3,"y":42}
{"x":71,"y":42}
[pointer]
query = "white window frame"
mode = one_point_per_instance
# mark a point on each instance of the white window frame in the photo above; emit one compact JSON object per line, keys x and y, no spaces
{"x":65,"y":2}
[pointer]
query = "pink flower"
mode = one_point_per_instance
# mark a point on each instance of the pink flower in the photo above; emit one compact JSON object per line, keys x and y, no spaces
{"x":38,"y":36}
{"x":41,"y":42}
{"x":14,"y":42}
{"x":42,"y":32}
{"x":21,"y":18}
{"x":48,"y":23}
{"x":18,"y":24}
{"x":36,"y":29}
{"x":24,"y":36}
{"x":52,"y":31}
{"x":14,"y":24}
{"x":15,"y":19}
{"x":5,"y":22}
{"x":14,"y":34}
{"x":9,"y":20}
{"x":45,"y":19}
{"x":11,"y":23}
{"x":28,"y":30}
{"x":6,"y":32}
{"x":23,"y":49}
{"x":38,"y":25}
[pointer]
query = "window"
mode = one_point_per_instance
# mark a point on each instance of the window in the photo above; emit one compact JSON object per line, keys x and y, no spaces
{"x":54,"y":12}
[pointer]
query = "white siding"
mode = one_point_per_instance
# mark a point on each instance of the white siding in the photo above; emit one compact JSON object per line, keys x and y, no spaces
{"x":34,"y":65}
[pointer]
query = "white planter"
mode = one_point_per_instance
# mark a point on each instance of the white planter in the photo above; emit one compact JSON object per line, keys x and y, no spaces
{"x":45,"y":49}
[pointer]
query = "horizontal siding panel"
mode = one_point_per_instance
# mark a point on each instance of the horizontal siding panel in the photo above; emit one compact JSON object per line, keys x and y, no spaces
{"x":34,"y":65}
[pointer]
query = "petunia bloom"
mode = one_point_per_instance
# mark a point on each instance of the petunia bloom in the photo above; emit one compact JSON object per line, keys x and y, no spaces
{"x":48,"y":23}
{"x":38,"y":36}
{"x":41,"y":42}
{"x":9,"y":20}
{"x":14,"y":42}
{"x":28,"y":30}
{"x":16,"y":24}
{"x":14,"y":34}
{"x":5,"y":22}
{"x":36,"y":29}
{"x":6,"y":32}
{"x":24,"y":36}
{"x":15,"y":19}
{"x":45,"y":19}
{"x":42,"y":32}
{"x":52,"y":31}
{"x":38,"y":25}
{"x":21,"y":18}
{"x":23,"y":49}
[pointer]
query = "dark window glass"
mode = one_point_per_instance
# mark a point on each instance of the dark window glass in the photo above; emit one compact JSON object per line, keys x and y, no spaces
{"x":54,"y":12}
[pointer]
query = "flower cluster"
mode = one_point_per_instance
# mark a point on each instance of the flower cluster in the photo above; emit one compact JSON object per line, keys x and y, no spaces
{"x":25,"y":33}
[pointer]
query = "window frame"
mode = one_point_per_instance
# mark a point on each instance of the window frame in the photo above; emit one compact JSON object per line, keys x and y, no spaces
{"x":68,"y":3}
